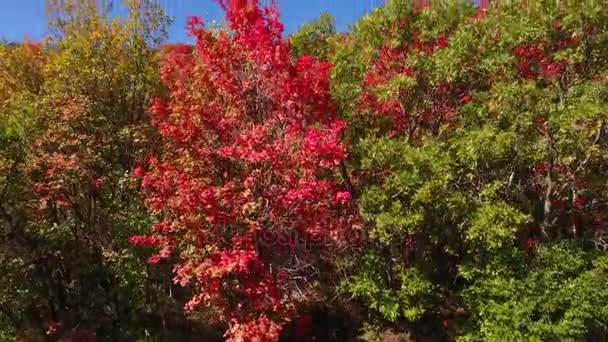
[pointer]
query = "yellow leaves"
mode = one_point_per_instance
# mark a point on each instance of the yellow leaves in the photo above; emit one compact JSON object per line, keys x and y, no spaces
{"x":20,"y":82}
{"x":20,"y":67}
{"x":249,"y":208}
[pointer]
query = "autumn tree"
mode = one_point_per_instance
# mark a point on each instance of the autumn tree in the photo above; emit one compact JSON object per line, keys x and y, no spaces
{"x":247,"y":182}
{"x":21,"y":80}
{"x":74,"y":125}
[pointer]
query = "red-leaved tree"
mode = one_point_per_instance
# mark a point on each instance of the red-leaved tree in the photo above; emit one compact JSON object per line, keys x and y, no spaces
{"x":247,"y":183}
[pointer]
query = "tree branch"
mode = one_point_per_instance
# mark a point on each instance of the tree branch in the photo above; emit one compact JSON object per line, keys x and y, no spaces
{"x":598,"y":137}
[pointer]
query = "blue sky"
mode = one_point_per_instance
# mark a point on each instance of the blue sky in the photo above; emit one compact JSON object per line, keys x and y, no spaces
{"x":26,"y":18}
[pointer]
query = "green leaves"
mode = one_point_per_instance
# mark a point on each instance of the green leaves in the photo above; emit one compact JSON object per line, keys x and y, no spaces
{"x":493,"y":225}
{"x":396,"y":222}
{"x":400,"y":297}
{"x":314,"y":38}
{"x":557,"y":297}
{"x":500,"y":207}
{"x":16,"y":119}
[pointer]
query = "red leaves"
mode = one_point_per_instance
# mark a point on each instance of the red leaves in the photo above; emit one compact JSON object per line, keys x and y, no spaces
{"x":535,"y":60}
{"x":579,"y":201}
{"x":142,"y":240}
{"x":324,"y":145}
{"x":551,"y":69}
{"x":530,"y":57}
{"x":529,"y":244}
{"x":193,"y":24}
{"x":388,"y":96}
{"x":98,"y":183}
{"x":251,"y":145}
{"x":425,"y":3}
{"x":541,"y":124}
{"x":566,"y":40}
{"x":441,"y":104}
{"x":442,"y":41}
{"x":138,"y":172}
{"x":480,"y":13}
{"x":59,"y":173}
{"x":465,"y":99}
{"x":429,"y":46}
{"x":386,"y":66}
{"x":261,"y":330}
{"x":343,"y":197}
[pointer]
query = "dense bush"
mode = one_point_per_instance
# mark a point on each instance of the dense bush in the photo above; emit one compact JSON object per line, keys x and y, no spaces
{"x":436,"y":173}
{"x":74,"y":122}
{"x":478,"y":140}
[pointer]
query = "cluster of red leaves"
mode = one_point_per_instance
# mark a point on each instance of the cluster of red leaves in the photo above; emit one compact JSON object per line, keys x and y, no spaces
{"x":534,"y":59}
{"x":403,"y":109}
{"x":533,"y":63}
{"x":428,"y":46}
{"x":387,"y":66}
{"x":261,"y":329}
{"x":252,"y":143}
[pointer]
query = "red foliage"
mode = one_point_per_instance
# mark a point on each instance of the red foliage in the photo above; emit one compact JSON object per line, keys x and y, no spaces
{"x":251,"y":146}
{"x":529,"y":244}
{"x":535,"y":60}
{"x":425,"y":3}
{"x":302,"y":328}
{"x":402,"y":110}
{"x":465,"y":99}
{"x":480,"y":12}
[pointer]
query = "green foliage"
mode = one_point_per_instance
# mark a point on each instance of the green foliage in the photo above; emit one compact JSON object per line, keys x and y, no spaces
{"x":313,"y":38}
{"x":494,"y":225}
{"x":557,"y":297}
{"x":399,"y":297}
{"x":496,"y":209}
